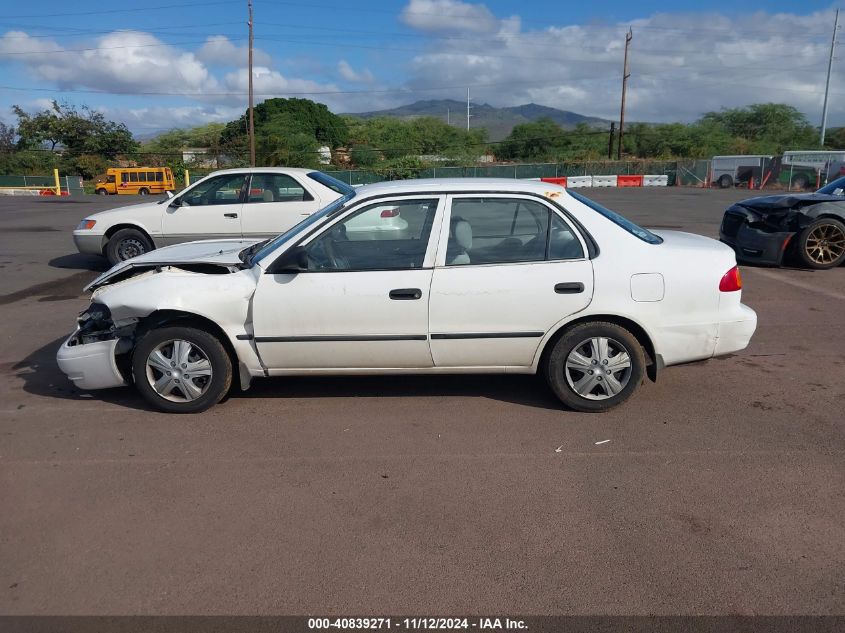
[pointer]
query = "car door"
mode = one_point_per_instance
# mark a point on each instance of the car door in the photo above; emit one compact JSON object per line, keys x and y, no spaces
{"x":361,"y":302}
{"x":275,"y":203}
{"x":508,"y":269}
{"x":211,"y":209}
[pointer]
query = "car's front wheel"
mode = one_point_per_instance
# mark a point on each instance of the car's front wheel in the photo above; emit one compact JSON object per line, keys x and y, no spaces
{"x":126,"y":244}
{"x":181,"y":369}
{"x":822,"y":244}
{"x":595,"y":366}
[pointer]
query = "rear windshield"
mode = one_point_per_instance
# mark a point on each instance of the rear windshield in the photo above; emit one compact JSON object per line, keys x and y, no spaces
{"x":338,"y":186}
{"x":634,"y":229}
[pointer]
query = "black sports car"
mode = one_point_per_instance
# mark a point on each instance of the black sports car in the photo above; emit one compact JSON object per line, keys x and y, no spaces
{"x":807,"y":226}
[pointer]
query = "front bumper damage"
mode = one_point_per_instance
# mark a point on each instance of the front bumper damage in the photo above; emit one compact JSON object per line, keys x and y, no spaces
{"x":90,"y":356}
{"x":753,"y":240}
{"x":90,"y":365}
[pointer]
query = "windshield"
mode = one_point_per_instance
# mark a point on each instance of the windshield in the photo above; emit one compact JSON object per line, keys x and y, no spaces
{"x":634,"y":229}
{"x":265,"y":248}
{"x":834,"y":187}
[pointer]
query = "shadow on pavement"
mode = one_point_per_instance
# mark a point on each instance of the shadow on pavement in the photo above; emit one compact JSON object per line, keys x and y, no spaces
{"x":80,"y":261}
{"x":41,"y":376}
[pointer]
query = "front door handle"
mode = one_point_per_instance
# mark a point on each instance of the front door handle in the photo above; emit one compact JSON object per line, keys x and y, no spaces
{"x":569,"y":288}
{"x":405,"y":294}
{"x":230,"y":215}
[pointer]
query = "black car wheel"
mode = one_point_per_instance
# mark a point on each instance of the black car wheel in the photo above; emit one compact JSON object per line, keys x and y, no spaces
{"x":800,"y":182}
{"x":822,"y":244}
{"x":126,"y":244}
{"x":181,"y":369}
{"x":725,"y":181}
{"x":595,"y":366}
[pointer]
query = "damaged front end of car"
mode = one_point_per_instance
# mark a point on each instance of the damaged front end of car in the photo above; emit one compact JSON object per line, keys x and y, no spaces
{"x":95,"y":355}
{"x":759,"y":237}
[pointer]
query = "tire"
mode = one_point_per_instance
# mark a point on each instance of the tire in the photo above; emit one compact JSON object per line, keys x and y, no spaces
{"x":143,"y":191}
{"x":160,"y":351}
{"x":800,"y":182}
{"x":822,"y":244}
{"x":598,"y":394}
{"x":126,"y":244}
{"x":102,"y":192}
{"x":725,"y":181}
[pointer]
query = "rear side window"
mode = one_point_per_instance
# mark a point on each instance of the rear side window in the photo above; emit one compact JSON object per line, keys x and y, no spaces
{"x":507,"y":230}
{"x":334,"y":184}
{"x":634,"y":229}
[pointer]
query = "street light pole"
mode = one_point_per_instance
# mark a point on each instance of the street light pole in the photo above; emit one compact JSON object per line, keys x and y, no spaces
{"x":827,"y":83}
{"x":251,"y":115}
{"x":625,"y":74}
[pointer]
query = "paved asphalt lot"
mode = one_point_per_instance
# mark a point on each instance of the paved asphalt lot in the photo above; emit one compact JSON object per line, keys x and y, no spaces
{"x":719,"y":492}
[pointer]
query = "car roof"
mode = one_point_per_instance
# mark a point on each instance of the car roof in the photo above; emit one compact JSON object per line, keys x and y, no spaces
{"x":458,"y":185}
{"x":249,"y":170}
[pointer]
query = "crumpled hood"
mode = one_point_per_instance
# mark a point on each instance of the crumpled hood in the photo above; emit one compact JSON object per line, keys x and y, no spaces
{"x":221,"y":252}
{"x":784,"y":202}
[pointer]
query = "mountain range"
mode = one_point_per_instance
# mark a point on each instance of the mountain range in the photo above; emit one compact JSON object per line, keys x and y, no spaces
{"x":498,"y":121}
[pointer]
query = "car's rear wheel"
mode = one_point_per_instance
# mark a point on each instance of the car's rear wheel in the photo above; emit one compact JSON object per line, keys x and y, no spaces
{"x":822,"y":244}
{"x":800,"y":182}
{"x":725,"y":181}
{"x":181,"y":369}
{"x":126,"y":244}
{"x":594,"y":367}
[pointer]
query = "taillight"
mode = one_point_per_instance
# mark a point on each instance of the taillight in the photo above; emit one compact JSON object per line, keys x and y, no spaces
{"x":390,"y":213}
{"x":731,"y":281}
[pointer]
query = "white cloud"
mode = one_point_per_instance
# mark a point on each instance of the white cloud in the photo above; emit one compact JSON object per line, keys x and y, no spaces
{"x":448,"y":15}
{"x":122,"y":61}
{"x":219,"y":50}
{"x":681,"y":65}
{"x":347,"y":72}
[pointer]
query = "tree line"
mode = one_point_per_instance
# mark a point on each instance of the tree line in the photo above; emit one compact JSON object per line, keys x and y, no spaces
{"x":292,"y":132}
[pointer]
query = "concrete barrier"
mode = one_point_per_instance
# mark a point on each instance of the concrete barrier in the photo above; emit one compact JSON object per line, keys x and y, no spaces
{"x":655,"y":180}
{"x":579,"y":181}
{"x":629,"y":181}
{"x":604,"y":181}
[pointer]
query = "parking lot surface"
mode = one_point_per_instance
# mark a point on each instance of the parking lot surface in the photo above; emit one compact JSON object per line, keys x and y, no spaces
{"x":717,"y":490}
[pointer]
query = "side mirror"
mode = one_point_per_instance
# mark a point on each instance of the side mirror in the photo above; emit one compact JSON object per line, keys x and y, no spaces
{"x":174,"y":202}
{"x":291,"y":262}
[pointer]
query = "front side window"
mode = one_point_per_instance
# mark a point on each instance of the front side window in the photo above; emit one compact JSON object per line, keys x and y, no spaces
{"x":110,"y":178}
{"x":224,"y":189}
{"x":124,"y":176}
{"x":507,"y":230}
{"x":380,"y":236}
{"x":276,"y":188}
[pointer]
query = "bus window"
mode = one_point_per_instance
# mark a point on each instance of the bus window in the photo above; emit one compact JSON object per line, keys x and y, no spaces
{"x":124,"y":176}
{"x":159,"y":176}
{"x":133,"y":176}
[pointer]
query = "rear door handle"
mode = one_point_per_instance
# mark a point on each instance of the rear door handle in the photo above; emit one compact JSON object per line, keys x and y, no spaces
{"x":405,"y":294}
{"x":569,"y":288}
{"x":230,"y":215}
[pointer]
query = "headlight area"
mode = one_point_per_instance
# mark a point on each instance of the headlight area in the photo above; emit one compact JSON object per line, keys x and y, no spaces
{"x":86,"y":225}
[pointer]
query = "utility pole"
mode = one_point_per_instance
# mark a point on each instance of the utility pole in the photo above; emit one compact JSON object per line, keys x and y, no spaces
{"x":625,"y":74}
{"x":827,"y":83}
{"x":251,"y":115}
{"x":448,"y":116}
{"x":468,"y":109}
{"x":610,"y":140}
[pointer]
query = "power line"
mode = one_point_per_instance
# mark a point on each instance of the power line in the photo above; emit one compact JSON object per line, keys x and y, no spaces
{"x":128,"y":10}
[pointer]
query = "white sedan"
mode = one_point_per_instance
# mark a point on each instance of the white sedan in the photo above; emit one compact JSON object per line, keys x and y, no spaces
{"x":255,"y":203}
{"x":487,"y":276}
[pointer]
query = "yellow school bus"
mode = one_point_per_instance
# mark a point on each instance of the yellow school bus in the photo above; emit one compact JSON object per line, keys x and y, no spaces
{"x":140,"y":181}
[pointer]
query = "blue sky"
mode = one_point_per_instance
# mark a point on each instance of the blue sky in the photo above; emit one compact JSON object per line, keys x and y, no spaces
{"x":185,"y":63}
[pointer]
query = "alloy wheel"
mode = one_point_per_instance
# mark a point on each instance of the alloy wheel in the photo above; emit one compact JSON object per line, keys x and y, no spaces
{"x":598,"y":368}
{"x":825,"y":244}
{"x":178,"y":370}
